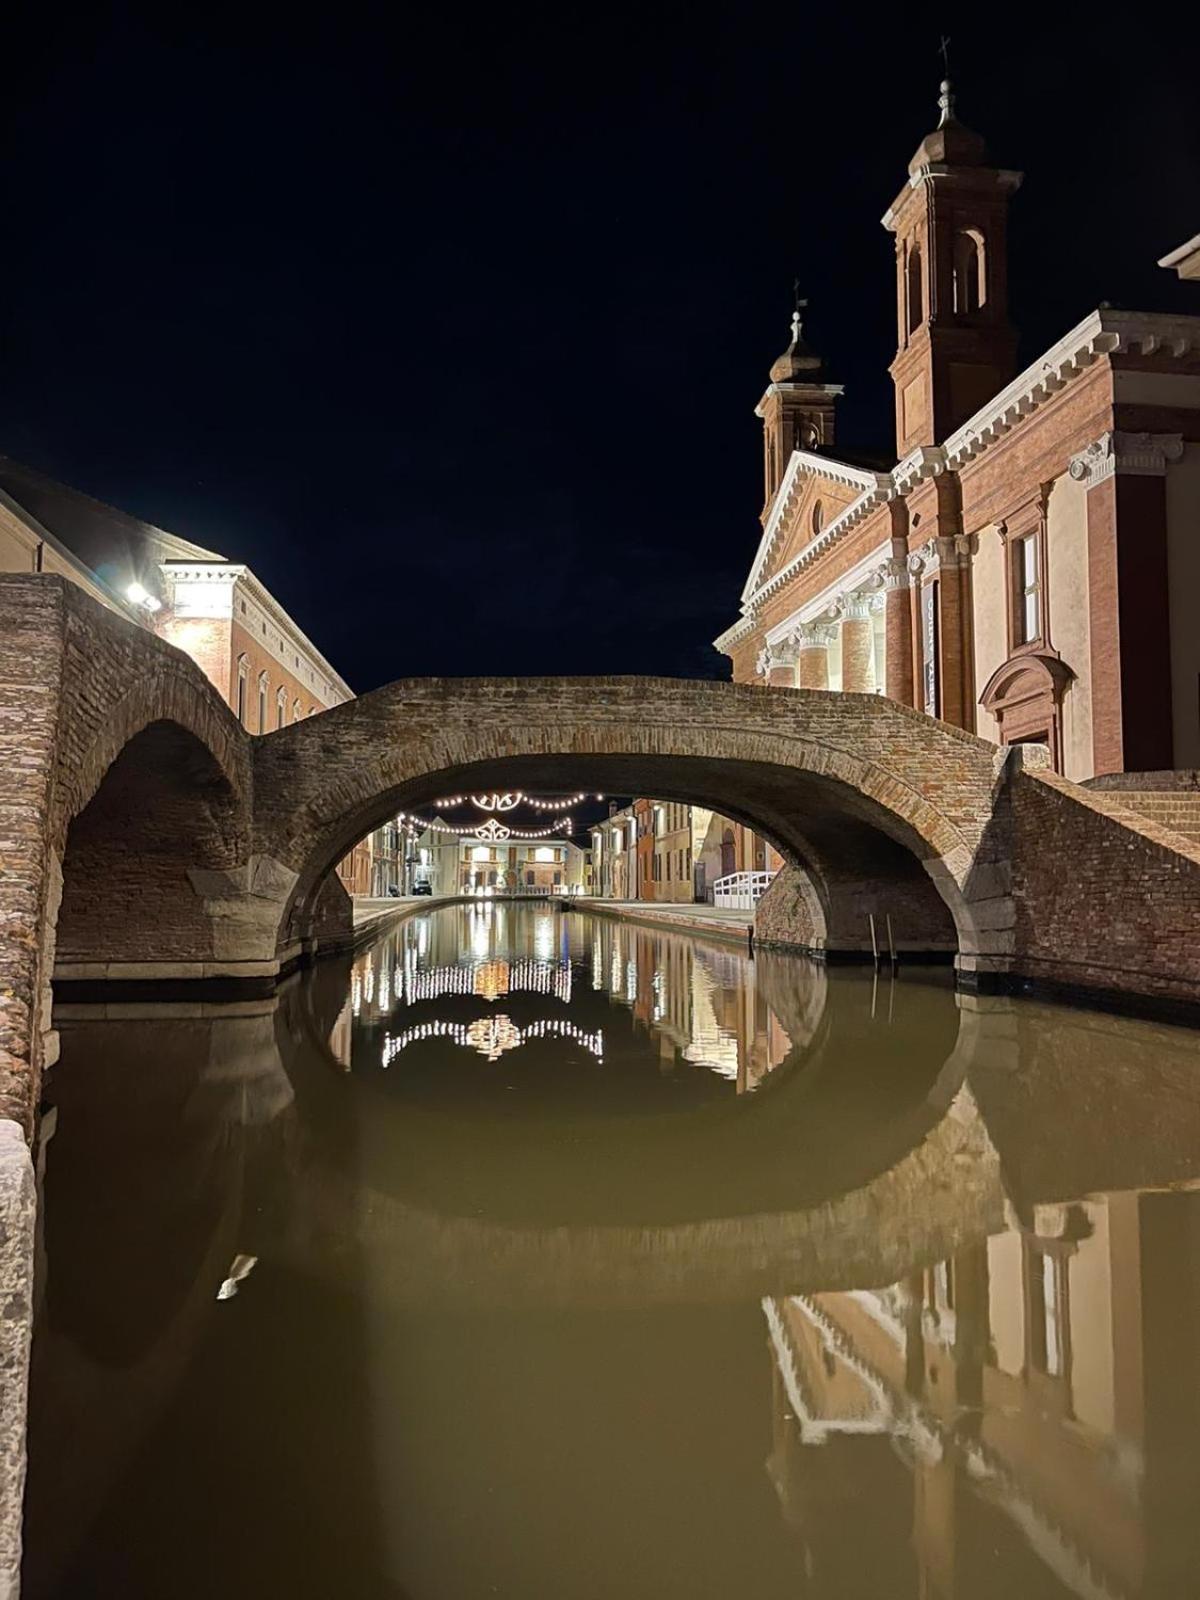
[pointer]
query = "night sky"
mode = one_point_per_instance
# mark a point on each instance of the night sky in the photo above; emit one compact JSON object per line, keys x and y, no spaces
{"x":453,"y":327}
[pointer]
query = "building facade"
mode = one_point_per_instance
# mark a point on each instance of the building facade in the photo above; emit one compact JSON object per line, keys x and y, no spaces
{"x":216,"y":611}
{"x":454,"y":863}
{"x":263,"y":665}
{"x":1026,"y":566}
{"x":672,"y":852}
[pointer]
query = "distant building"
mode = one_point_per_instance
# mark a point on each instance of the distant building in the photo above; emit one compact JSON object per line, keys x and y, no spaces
{"x":463,"y":863}
{"x":668,"y":851}
{"x":1028,"y":568}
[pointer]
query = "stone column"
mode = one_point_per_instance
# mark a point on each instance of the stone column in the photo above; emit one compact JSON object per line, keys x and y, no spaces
{"x":858,"y":653}
{"x":781,"y":665}
{"x":897,"y":604}
{"x":813,"y":641}
{"x":1129,"y":598}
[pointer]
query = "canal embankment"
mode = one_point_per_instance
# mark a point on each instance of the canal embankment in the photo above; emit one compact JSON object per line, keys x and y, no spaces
{"x":714,"y":922}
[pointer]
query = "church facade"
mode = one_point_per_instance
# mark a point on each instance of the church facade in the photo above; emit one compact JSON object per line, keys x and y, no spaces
{"x":1029,"y":567}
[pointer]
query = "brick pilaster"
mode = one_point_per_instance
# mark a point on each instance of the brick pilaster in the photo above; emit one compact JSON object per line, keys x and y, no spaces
{"x":1128,"y":598}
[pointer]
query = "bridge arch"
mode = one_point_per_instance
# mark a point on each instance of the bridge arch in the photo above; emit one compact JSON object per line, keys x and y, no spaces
{"x":873,"y":806}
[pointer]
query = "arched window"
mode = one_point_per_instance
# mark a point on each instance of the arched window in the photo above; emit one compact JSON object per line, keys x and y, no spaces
{"x":264,"y":685}
{"x":281,"y":708}
{"x":970,"y":272}
{"x":818,"y":518}
{"x":297,"y":713}
{"x":914,"y":291}
{"x":243,"y":671}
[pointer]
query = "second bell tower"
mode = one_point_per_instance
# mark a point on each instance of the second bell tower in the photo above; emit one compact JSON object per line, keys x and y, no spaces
{"x":955,"y":345}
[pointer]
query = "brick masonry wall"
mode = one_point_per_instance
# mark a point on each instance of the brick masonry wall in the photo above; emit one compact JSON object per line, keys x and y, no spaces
{"x":1104,"y":900}
{"x":31,"y":635}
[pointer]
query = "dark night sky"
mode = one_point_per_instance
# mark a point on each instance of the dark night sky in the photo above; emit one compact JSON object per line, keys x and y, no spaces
{"x":453,"y":329}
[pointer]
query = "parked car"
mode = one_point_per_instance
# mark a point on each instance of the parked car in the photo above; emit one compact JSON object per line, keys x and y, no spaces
{"x":423,"y":888}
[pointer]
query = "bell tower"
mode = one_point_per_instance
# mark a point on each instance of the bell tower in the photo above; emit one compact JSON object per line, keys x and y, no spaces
{"x":797,"y":409}
{"x":955,"y":347}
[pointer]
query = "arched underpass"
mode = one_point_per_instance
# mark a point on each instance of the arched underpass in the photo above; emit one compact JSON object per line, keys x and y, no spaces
{"x":875,"y":809}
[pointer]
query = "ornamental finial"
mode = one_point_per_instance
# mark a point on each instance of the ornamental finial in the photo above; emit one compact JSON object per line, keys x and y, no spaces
{"x":946,"y":93}
{"x":798,"y":306}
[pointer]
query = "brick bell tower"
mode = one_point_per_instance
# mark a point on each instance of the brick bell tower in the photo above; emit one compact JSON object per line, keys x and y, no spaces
{"x":797,"y":409}
{"x":955,"y":345}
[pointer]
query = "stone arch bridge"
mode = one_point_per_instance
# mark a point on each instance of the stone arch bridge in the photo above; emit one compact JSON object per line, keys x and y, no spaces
{"x":145,"y":835}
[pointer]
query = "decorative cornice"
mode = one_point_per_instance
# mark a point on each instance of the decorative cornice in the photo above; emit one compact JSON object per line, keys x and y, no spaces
{"x":735,"y":632}
{"x":926,"y":461}
{"x":832,"y":391}
{"x":802,"y":465}
{"x":1137,"y":455}
{"x":949,"y":551}
{"x":1104,"y":333}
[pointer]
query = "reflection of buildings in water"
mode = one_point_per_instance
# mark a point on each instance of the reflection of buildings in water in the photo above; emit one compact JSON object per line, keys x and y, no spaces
{"x":424,"y":960}
{"x":701,"y":1001}
{"x":1030,"y":1382}
{"x":492,"y":1036}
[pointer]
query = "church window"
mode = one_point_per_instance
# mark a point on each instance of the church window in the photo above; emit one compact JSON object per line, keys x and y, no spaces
{"x":242,"y":671}
{"x":263,"y":687}
{"x":1026,"y":580}
{"x":970,"y":279}
{"x":914,"y":289}
{"x":818,"y":518}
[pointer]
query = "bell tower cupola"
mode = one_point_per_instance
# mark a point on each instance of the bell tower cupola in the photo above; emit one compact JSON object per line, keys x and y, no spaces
{"x":797,"y":409}
{"x":955,"y":345}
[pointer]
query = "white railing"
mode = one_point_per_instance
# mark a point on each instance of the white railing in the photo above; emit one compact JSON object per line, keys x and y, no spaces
{"x":741,"y":891}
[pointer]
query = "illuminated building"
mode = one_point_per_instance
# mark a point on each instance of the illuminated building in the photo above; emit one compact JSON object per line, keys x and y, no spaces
{"x":216,"y":611}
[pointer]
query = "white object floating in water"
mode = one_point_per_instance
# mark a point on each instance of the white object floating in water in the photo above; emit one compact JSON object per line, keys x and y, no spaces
{"x":240,"y":1267}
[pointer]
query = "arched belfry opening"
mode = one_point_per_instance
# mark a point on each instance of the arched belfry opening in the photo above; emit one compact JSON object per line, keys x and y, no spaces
{"x":163,"y":816}
{"x":970,"y":272}
{"x":914,"y":292}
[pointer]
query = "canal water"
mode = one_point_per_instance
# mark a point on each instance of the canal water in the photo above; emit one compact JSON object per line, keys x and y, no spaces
{"x":537,"y":1254}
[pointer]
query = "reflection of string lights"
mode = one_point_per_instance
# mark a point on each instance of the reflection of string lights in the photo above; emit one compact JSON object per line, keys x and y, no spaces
{"x":489,"y":979}
{"x":491,"y":1036}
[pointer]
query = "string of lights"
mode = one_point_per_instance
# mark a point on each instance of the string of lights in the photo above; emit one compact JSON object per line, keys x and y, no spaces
{"x":491,"y":829}
{"x":509,"y":799}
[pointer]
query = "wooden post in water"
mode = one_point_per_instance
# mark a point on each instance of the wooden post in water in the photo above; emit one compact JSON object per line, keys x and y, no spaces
{"x":874,"y":940}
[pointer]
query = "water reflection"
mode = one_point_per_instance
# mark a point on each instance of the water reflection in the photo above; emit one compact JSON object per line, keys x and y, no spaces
{"x":589,"y":1259}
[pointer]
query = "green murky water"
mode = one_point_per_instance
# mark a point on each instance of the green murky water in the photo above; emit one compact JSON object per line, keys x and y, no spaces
{"x":540,"y":1255}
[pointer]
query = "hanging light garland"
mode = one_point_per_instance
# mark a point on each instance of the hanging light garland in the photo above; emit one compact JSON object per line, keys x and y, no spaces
{"x":491,"y":829}
{"x":509,"y":799}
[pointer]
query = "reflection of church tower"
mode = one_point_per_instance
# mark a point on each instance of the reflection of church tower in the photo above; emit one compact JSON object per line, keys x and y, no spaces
{"x":797,"y":409}
{"x":955,"y":347}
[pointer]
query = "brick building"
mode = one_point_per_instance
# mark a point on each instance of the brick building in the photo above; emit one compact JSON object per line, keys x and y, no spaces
{"x":1027,"y":568}
{"x":216,"y":611}
{"x":264,"y":666}
{"x":672,"y":852}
